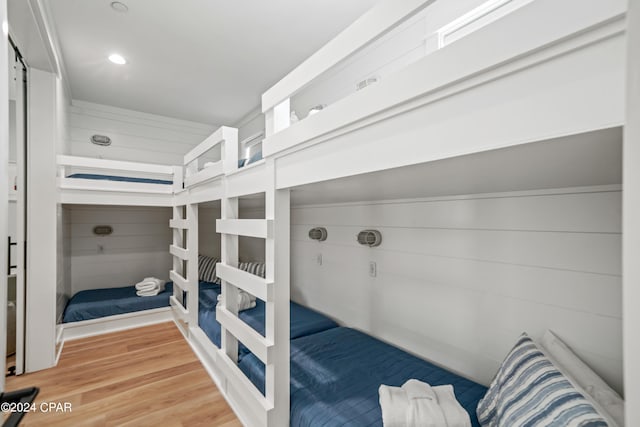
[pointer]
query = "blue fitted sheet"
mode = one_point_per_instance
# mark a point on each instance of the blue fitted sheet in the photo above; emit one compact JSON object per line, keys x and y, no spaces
{"x":335,"y":376}
{"x":97,"y":303}
{"x":120,"y":178}
{"x":304,"y":321}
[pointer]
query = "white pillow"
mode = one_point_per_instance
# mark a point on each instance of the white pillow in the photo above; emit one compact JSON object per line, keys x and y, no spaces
{"x":566,"y":360}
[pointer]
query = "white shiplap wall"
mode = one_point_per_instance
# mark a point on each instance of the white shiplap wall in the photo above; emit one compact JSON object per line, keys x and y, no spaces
{"x":208,"y":239}
{"x":137,"y":248}
{"x":136,"y":136}
{"x":458,"y":279}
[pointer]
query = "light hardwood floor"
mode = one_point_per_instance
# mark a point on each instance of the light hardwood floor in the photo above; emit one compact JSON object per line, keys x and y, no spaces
{"x":141,"y":377}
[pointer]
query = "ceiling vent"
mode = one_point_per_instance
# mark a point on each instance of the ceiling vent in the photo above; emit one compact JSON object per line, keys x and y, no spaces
{"x":370,"y":238}
{"x":101,"y":140}
{"x":318,"y":233}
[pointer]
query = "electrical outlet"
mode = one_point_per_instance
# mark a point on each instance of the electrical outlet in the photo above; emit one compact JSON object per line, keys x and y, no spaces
{"x":373,"y":269}
{"x":319,"y":259}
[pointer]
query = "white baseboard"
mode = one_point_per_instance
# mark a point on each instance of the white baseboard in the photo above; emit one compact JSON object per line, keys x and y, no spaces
{"x":119,"y":322}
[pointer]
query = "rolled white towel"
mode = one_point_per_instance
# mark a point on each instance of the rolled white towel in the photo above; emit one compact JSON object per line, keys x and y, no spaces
{"x":245,"y":300}
{"x":146,"y":286}
{"x":159,"y":283}
{"x":148,"y":293}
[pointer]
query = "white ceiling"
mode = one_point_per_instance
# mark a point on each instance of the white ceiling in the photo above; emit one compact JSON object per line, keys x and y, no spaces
{"x":202,"y":60}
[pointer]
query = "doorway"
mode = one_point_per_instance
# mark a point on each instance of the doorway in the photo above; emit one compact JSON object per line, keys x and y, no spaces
{"x":17,"y":213}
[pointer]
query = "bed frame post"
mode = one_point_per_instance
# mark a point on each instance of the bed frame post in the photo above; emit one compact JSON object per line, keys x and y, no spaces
{"x":229,"y":250}
{"x":277,"y":209}
{"x":230,"y":149}
{"x":278,"y":118}
{"x":192,"y":263}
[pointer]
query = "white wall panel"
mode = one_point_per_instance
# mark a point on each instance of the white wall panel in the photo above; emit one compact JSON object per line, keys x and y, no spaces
{"x":137,"y":248}
{"x":458,"y":280}
{"x":135,"y":136}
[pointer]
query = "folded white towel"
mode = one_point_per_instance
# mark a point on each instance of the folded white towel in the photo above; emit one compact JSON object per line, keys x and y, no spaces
{"x":245,"y":300}
{"x":149,"y":293}
{"x":146,"y":286}
{"x":417,"y":404}
{"x":453,"y":412}
{"x":209,"y":164}
{"x":149,"y":283}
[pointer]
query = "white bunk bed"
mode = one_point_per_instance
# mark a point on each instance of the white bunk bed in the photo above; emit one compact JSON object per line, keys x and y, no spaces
{"x":84,"y":180}
{"x":469,"y":98}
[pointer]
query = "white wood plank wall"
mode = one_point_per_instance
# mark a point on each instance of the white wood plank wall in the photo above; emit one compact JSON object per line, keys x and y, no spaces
{"x":138,"y":247}
{"x":458,"y":280}
{"x":208,"y":239}
{"x":135,"y":136}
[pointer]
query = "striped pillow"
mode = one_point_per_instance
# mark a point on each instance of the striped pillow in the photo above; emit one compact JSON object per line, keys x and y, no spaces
{"x":529,"y":391}
{"x":207,"y":269}
{"x":256,"y":268}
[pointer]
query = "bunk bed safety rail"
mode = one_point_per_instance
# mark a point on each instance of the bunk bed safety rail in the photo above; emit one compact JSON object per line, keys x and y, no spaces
{"x":66,"y":162}
{"x":197,"y":171}
{"x":379,"y":20}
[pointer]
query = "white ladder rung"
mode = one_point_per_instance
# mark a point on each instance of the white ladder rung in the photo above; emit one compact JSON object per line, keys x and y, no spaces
{"x":178,"y":223}
{"x":244,"y":333}
{"x":245,"y":227}
{"x":179,"y":308}
{"x":178,"y":280}
{"x":240,"y":381}
{"x":248,"y":282}
{"x":179,"y":252}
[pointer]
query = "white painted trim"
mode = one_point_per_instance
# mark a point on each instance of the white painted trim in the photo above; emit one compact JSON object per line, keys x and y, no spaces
{"x":379,"y":20}
{"x":255,"y":285}
{"x":260,"y":228}
{"x":99,"y":185}
{"x":204,"y":175}
{"x":501,"y":195}
{"x":120,"y":322}
{"x":245,"y":334}
{"x":208,"y":353}
{"x":89,"y":162}
{"x":178,"y":252}
{"x":483,"y":14}
{"x":178,"y":280}
{"x":98,"y":196}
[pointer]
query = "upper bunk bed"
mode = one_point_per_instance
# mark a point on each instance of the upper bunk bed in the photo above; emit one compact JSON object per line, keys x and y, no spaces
{"x":85,"y":180}
{"x":491,"y":81}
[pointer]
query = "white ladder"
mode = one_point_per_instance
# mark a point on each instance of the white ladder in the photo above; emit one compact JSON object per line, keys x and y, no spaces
{"x":184,"y":250}
{"x":272,"y":409}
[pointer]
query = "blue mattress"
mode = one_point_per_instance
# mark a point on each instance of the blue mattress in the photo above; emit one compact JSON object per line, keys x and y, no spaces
{"x":304,"y":321}
{"x":335,"y":376}
{"x":120,"y":178}
{"x":97,"y":303}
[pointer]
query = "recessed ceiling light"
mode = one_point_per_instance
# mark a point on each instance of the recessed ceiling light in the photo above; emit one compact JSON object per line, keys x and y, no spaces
{"x":119,"y":7}
{"x":117,"y":59}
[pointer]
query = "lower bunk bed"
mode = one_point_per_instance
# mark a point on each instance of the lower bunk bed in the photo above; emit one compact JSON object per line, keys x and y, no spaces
{"x":96,"y":311}
{"x":304,"y":321}
{"x":335,"y":376}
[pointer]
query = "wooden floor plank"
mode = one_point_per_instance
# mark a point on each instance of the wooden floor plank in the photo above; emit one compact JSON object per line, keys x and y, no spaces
{"x":140,"y":377}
